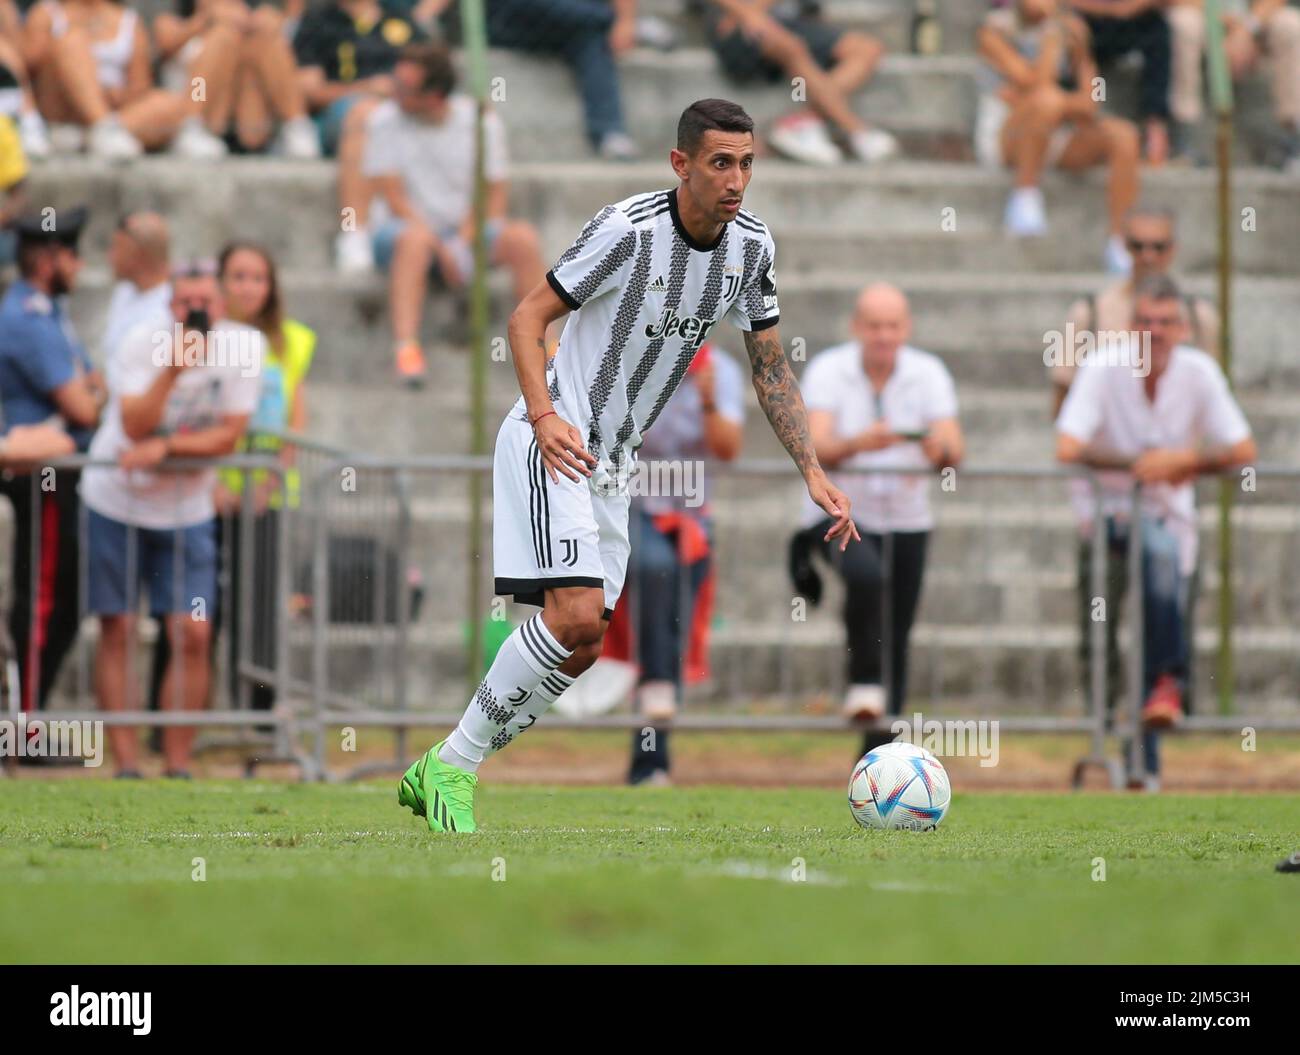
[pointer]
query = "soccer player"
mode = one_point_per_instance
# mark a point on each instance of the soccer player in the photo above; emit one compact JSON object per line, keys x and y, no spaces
{"x":645,"y":281}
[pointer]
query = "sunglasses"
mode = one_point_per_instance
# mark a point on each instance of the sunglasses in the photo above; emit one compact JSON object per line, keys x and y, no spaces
{"x":204,"y":267}
{"x":1137,"y":246}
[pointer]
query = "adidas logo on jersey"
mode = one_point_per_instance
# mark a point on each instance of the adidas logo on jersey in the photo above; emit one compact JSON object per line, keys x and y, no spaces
{"x":657,"y":286}
{"x":690,"y":329}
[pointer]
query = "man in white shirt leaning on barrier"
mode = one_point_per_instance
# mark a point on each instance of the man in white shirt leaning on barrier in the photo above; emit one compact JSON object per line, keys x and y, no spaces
{"x":1160,"y":423}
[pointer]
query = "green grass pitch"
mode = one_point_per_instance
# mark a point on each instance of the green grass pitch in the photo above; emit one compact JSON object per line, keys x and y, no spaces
{"x":104,"y":872}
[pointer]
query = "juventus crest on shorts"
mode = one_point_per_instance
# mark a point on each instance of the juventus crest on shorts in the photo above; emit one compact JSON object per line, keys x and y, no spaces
{"x":645,"y":295}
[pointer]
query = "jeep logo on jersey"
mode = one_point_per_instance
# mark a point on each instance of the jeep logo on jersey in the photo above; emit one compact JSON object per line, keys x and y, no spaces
{"x":690,"y":329}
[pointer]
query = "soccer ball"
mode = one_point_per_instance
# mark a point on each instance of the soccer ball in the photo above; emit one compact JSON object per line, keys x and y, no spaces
{"x":899,"y":786}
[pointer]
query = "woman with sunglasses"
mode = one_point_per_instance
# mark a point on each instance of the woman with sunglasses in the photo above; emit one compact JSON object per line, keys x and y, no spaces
{"x":250,"y":289}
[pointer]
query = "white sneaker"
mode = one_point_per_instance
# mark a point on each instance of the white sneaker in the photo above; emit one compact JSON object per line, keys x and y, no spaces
{"x":864,"y":702}
{"x":67,"y":139}
{"x":803,"y":137}
{"x":873,"y":144}
{"x":1026,"y":215}
{"x":655,"y":32}
{"x":298,"y":139}
{"x":1151,"y":784}
{"x":618,"y":146}
{"x":1117,"y":258}
{"x":353,"y":253}
{"x":194,"y":141}
{"x":109,"y":140}
{"x":657,"y":701}
{"x":35,"y":136}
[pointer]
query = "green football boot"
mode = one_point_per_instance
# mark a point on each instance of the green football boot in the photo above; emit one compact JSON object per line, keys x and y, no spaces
{"x":441,"y":794}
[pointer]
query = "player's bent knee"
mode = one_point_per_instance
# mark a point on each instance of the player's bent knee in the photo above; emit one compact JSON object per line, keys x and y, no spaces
{"x":577,"y":622}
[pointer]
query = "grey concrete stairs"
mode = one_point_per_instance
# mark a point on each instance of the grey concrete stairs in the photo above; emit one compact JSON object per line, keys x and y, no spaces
{"x":997,"y":623}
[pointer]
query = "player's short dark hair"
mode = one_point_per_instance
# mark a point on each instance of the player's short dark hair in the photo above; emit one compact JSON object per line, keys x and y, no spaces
{"x":434,"y":58}
{"x":710,"y":115}
{"x":1157,"y":287}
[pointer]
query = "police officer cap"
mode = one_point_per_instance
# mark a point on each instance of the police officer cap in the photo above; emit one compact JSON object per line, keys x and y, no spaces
{"x":55,"y":227}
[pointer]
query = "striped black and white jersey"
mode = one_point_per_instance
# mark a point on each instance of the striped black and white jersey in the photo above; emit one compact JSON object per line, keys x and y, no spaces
{"x":644,"y":295}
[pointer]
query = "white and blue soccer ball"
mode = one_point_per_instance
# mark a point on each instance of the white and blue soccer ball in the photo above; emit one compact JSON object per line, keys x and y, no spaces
{"x":899,"y":786}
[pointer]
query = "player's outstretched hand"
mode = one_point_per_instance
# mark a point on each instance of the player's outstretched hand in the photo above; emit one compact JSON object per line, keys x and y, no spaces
{"x":562,"y":449}
{"x":834,"y":503}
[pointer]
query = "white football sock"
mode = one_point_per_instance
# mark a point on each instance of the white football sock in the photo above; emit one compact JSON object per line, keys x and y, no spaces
{"x":525,"y":658}
{"x":532,"y":708}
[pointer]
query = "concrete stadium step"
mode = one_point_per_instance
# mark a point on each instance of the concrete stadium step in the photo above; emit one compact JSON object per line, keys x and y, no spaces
{"x":1024,"y":666}
{"x":889,"y":21}
{"x":865,"y":248}
{"x":928,"y":102}
{"x":988,"y":327}
{"x":291,"y":206}
{"x":1001,"y":425}
{"x":996,"y":561}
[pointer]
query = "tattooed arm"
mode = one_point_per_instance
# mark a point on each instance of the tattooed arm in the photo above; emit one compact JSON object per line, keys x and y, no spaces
{"x":779,"y":396}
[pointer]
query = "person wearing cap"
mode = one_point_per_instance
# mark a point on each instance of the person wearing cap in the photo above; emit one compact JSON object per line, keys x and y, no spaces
{"x":182,"y":390}
{"x":45,"y":377}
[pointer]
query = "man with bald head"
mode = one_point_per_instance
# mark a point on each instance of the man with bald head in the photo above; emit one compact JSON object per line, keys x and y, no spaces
{"x":876,"y":402}
{"x":140,"y":255}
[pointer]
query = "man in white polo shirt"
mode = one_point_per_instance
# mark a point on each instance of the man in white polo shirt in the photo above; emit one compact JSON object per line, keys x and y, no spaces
{"x":1168,"y":416}
{"x":876,"y":402}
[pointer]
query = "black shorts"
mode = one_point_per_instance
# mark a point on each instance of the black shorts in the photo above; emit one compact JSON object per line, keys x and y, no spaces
{"x":742,"y":61}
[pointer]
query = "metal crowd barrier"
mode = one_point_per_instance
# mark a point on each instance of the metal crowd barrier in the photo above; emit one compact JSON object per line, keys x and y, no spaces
{"x":262,"y":584}
{"x":369,"y":632}
{"x":421,"y":494}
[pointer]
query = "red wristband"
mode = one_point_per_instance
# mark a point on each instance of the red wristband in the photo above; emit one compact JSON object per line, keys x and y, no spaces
{"x":540,"y":416}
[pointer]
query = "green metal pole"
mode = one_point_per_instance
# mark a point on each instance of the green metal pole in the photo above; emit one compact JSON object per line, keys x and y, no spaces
{"x":1221,"y":94}
{"x":474,"y":35}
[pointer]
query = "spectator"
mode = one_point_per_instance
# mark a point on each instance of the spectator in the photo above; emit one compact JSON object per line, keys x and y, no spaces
{"x":346,"y":51}
{"x":45,"y":373}
{"x":139,"y":255}
{"x":1254,"y":29}
{"x":420,"y":159}
{"x":16,"y":101}
{"x":183,"y":392}
{"x":251,"y":290}
{"x":1150,"y":237}
{"x":1160,"y":425}
{"x":589,"y":35}
{"x":23,"y":446}
{"x":876,"y":402}
{"x":91,"y":71}
{"x":762,"y":40}
{"x":249,"y":72}
{"x":670,"y":575}
{"x":1122,"y":27}
{"x":13,"y":187}
{"x":1037,"y":109}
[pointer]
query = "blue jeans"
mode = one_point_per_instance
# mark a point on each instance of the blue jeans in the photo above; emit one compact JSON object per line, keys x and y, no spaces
{"x":1166,"y":599}
{"x":663,"y":592}
{"x":578,"y":31}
